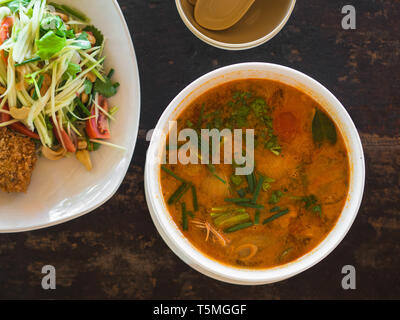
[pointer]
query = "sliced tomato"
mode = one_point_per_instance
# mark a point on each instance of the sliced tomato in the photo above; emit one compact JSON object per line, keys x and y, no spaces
{"x":19,"y":127}
{"x":4,"y":117}
{"x":67,"y":141}
{"x":5,"y":29}
{"x":286,"y":126}
{"x":99,"y":129}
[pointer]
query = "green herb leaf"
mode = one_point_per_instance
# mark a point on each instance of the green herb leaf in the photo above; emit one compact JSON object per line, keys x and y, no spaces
{"x":52,"y":23}
{"x":106,"y":89}
{"x":88,"y":86}
{"x":97,"y":34}
{"x":236,"y":180}
{"x":311,"y":203}
{"x":273,"y":145}
{"x":15,"y":5}
{"x":259,"y":107}
{"x":73,"y":69}
{"x":323,"y":128}
{"x":49,"y":45}
{"x":267,"y":184}
{"x":82,"y":42}
{"x":275,"y":197}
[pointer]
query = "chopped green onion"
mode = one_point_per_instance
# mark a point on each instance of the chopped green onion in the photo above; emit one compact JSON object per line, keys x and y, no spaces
{"x":275,"y":209}
{"x":250,"y":181}
{"x":185,"y":223}
{"x":227,"y":220}
{"x":258,"y":189}
{"x":212,"y":170}
{"x":276,"y":216}
{"x":250,"y":205}
{"x":171,"y":173}
{"x":239,"y":227}
{"x":28,"y":61}
{"x":195,"y":201}
{"x":228,"y":210}
{"x":257,"y":217}
{"x":178,"y":194}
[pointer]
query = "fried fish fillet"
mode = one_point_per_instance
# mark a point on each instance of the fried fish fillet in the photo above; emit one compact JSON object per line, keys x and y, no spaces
{"x":17,"y":161}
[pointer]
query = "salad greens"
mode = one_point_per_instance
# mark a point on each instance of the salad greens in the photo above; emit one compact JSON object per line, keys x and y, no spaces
{"x":53,"y":76}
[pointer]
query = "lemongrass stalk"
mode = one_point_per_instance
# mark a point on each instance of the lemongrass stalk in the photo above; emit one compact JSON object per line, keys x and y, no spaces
{"x":108,"y":144}
{"x":41,"y":128}
{"x":11,"y":90}
{"x":7,"y":123}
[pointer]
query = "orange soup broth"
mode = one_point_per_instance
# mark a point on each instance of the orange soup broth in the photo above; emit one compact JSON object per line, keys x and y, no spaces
{"x":302,"y":169}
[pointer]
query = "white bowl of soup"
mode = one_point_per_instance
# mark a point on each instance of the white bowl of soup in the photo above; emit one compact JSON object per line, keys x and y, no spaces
{"x":288,"y":213}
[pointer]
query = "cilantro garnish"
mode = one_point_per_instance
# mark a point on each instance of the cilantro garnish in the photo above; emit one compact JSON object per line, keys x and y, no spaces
{"x":106,"y":89}
{"x":275,"y":197}
{"x":96,"y":33}
{"x":311,"y":203}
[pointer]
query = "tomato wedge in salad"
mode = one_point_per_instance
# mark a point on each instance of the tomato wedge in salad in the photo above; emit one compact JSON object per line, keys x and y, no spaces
{"x":5,"y":28}
{"x":19,"y":127}
{"x":99,"y":128}
{"x":65,"y":140}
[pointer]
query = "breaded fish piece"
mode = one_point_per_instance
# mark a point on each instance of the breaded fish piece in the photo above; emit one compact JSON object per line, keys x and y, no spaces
{"x":17,"y":161}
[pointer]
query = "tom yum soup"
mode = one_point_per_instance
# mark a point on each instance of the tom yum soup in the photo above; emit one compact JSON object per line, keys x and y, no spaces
{"x":291,"y":200}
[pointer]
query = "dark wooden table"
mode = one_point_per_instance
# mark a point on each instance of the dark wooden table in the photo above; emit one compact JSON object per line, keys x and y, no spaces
{"x":116,"y":252}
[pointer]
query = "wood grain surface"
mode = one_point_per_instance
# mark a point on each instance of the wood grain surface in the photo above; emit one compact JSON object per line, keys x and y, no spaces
{"x":116,"y":253}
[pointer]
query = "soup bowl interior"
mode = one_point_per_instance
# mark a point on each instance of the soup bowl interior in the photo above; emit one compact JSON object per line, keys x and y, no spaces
{"x":171,"y":232}
{"x":261,"y":23}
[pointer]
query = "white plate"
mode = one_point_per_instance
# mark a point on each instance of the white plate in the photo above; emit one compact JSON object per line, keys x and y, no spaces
{"x":64,"y":190}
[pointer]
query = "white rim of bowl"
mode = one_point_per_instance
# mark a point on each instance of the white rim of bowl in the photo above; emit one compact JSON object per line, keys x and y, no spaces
{"x":234,"y":46}
{"x":134,"y":135}
{"x":170,"y":232}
